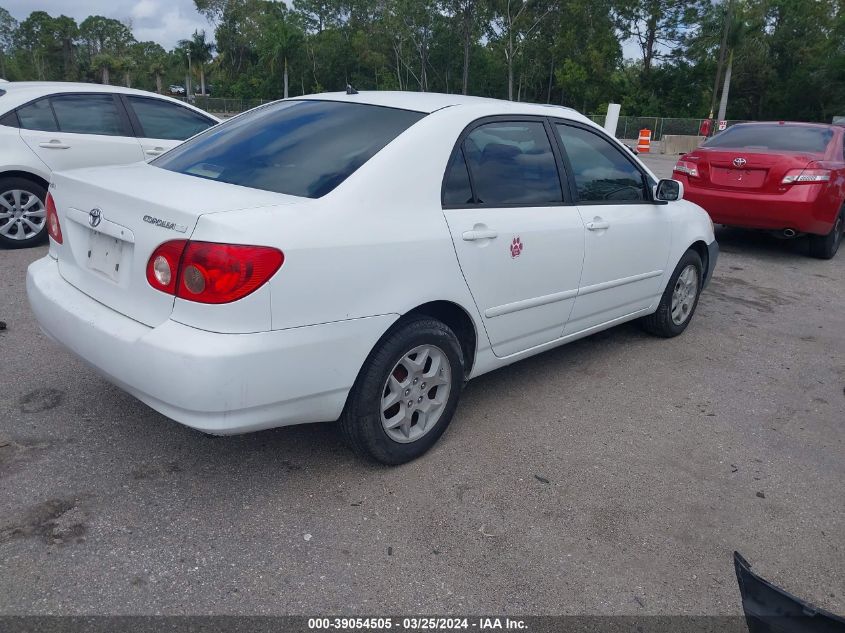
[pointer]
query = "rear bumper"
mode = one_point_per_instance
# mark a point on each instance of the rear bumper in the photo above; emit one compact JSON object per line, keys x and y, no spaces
{"x":217,"y":383}
{"x":802,"y":208}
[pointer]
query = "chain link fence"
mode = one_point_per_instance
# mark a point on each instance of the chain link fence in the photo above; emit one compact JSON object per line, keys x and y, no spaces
{"x":225,"y":106}
{"x":629,"y":126}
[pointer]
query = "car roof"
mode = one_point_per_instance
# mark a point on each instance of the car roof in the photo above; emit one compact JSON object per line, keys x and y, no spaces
{"x":785,"y":123}
{"x":21,"y":92}
{"x":429,"y":102}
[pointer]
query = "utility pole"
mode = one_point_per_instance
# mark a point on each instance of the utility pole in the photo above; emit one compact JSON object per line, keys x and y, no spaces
{"x":188,"y":78}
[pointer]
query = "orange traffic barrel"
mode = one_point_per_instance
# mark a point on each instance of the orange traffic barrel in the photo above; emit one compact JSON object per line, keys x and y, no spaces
{"x":644,"y":142}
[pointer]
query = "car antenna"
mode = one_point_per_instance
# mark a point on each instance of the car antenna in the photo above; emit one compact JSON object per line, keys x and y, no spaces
{"x":350,"y":90}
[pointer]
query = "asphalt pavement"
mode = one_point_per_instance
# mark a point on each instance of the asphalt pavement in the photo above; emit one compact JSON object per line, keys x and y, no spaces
{"x":614,"y":475}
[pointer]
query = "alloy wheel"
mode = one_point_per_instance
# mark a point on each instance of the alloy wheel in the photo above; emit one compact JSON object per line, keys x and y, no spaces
{"x":22,"y":214}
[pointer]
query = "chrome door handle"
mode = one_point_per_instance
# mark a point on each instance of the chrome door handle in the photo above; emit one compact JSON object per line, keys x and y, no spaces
{"x":154,"y":152}
{"x":483,"y":234}
{"x":598,"y":225}
{"x":54,"y":144}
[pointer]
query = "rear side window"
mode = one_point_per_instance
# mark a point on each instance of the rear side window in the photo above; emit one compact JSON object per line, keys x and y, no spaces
{"x":301,"y":148}
{"x":164,"y":120}
{"x":38,"y":115}
{"x":512,"y":164}
{"x":457,"y":190}
{"x":10,"y":119}
{"x":88,"y":114}
{"x":600,"y":169}
{"x":784,"y":138}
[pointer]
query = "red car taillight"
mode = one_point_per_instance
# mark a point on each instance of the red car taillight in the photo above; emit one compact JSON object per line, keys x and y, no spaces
{"x":805,"y":176}
{"x":163,"y":266}
{"x":686,"y":167}
{"x":208,"y":272}
{"x":54,"y":230}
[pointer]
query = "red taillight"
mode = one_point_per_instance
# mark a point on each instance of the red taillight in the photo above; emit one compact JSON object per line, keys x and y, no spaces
{"x":686,"y":167}
{"x":208,"y":272}
{"x":805,"y":176}
{"x":54,"y":230}
{"x":163,"y":266}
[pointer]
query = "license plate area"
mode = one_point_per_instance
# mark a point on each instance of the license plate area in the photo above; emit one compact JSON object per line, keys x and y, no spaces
{"x":105,"y":254}
{"x":748,"y":178}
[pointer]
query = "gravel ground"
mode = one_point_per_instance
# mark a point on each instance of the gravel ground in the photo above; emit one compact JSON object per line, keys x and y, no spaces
{"x":615,"y":475}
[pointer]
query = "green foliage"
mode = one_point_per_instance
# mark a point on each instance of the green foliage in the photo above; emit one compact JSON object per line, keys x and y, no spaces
{"x":787,"y":57}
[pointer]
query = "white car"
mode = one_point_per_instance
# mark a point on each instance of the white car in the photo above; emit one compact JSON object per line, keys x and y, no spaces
{"x":358,"y":258}
{"x":54,"y":126}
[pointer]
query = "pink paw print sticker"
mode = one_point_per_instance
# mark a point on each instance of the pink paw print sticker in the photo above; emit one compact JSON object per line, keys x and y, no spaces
{"x":516,"y":247}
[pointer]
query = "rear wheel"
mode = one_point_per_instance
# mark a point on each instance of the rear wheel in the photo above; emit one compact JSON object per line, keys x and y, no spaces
{"x":406,"y":393}
{"x":23,"y":216}
{"x":826,"y":246}
{"x":679,"y":300}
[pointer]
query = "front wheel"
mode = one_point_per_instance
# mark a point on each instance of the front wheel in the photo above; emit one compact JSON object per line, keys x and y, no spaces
{"x":826,"y":246}
{"x":679,"y":300}
{"x":23,"y":216}
{"x":406,"y":393}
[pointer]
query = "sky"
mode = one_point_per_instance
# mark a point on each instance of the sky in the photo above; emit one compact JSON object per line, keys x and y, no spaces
{"x":162,"y":21}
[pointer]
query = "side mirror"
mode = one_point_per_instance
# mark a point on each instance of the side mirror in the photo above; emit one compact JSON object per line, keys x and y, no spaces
{"x":669,"y":190}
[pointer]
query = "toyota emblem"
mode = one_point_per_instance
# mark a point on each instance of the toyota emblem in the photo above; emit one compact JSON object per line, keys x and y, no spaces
{"x":94,"y":217}
{"x":739,"y":162}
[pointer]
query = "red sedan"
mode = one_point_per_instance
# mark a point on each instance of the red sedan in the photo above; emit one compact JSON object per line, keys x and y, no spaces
{"x":788,"y":178}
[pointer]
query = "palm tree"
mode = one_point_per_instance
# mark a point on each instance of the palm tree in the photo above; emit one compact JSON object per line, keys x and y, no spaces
{"x":157,"y":68}
{"x":200,"y":52}
{"x":279,"y":38}
{"x":737,"y":29}
{"x":104,"y":63}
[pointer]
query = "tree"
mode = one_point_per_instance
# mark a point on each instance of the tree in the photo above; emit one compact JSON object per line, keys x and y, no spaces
{"x":156,"y":60}
{"x":8,"y":26}
{"x":106,"y":45}
{"x":34,"y":36}
{"x":471,"y":15}
{"x":656,"y":24}
{"x":200,"y":52}
{"x":281,"y":37}
{"x":514,"y":21}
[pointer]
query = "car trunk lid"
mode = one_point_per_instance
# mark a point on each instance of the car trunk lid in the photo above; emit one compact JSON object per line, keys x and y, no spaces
{"x":743,"y":169}
{"x":112,"y":219}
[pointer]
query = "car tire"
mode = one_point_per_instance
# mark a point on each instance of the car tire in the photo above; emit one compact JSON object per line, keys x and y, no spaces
{"x":826,"y":246}
{"x":679,"y":300}
{"x":414,"y":354}
{"x":15,"y":194}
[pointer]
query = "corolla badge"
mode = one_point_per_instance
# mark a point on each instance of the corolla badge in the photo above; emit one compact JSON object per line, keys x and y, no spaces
{"x":165,"y":224}
{"x":739,"y":162}
{"x":94,"y":217}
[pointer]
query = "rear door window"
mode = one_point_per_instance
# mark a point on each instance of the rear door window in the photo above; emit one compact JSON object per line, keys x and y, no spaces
{"x":457,"y":190}
{"x":512,"y":163}
{"x":164,"y":120}
{"x":302,"y":148}
{"x":775,"y":137}
{"x":38,"y":115}
{"x":601,"y":171}
{"x":89,"y":114}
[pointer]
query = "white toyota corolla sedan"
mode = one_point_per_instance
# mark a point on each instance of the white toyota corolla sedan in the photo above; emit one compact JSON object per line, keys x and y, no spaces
{"x":48,"y":126}
{"x":358,"y":257}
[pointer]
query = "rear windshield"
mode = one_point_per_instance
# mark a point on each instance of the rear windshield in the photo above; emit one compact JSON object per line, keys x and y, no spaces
{"x":784,"y":138}
{"x":301,"y":148}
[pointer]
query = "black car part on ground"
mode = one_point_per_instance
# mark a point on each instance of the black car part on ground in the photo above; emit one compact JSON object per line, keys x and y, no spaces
{"x":769,"y":609}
